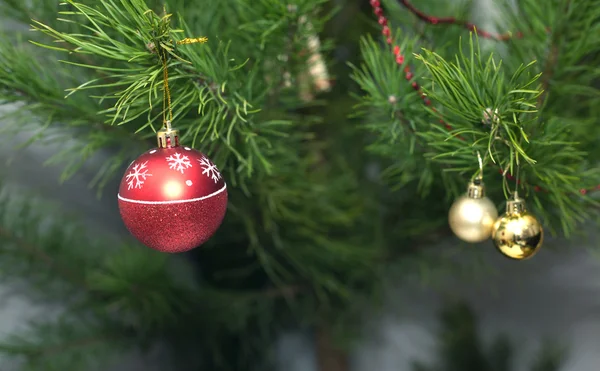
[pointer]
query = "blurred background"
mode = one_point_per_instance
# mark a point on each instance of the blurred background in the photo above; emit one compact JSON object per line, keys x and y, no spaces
{"x":549,"y":304}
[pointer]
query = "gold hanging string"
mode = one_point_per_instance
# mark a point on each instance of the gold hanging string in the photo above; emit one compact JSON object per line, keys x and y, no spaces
{"x":167,"y":110}
{"x":166,"y":92}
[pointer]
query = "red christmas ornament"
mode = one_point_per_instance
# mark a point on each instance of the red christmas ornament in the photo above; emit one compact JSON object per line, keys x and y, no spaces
{"x":172,"y":198}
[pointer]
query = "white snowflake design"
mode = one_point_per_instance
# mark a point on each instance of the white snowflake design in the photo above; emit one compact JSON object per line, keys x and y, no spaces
{"x":209,"y":169}
{"x":179,"y":162}
{"x":137,"y":176}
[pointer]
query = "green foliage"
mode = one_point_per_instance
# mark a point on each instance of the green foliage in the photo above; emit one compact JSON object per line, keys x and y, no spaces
{"x":530,"y":112}
{"x":469,"y":87}
{"x":67,"y":344}
{"x":110,"y":298}
{"x":311,"y":229}
{"x":395,"y":129}
{"x":292,"y":198}
{"x":461,"y":347}
{"x":42,"y":107}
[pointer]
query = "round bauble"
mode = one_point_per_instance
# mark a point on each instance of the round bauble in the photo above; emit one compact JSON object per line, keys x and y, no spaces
{"x":172,"y":199}
{"x":472,"y":215}
{"x":517,"y":234}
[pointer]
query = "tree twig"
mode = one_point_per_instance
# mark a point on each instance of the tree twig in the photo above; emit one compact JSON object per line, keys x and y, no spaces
{"x":329,"y":356}
{"x":458,"y":22}
{"x":284,"y":291}
{"x":56,"y":349}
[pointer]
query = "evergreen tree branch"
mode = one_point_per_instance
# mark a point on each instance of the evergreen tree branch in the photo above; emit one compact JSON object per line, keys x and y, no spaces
{"x":307,"y":222}
{"x":551,"y":61}
{"x":205,"y":81}
{"x":560,"y":182}
{"x":129,"y":291}
{"x":286,"y":291}
{"x":40,"y":106}
{"x":552,"y":356}
{"x":461,"y":348}
{"x":50,"y":262}
{"x":31,"y":244}
{"x":69,"y":343}
{"x":51,"y":350}
{"x":299,"y":191}
{"x":514,"y":136}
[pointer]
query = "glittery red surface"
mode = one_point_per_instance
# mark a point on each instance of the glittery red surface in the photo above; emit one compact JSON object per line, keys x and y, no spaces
{"x":174,"y":228}
{"x":172,"y":199}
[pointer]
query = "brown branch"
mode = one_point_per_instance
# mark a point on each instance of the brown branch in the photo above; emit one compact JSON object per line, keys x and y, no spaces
{"x":329,"y":356}
{"x":56,"y":349}
{"x":547,"y":73}
{"x":458,"y":22}
{"x":284,"y":291}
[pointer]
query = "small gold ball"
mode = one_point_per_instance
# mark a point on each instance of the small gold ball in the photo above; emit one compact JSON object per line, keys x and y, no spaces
{"x":518,"y":235}
{"x":472,"y":219}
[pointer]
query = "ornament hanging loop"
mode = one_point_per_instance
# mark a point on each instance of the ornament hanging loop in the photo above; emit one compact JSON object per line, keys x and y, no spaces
{"x":167,"y":137}
{"x":479,"y":175}
{"x":516,"y":205}
{"x":476,"y":188}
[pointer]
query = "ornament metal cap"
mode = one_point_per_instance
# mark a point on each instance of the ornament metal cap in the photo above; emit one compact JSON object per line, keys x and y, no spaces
{"x":167,"y":137}
{"x":516,"y":205}
{"x":476,"y":189}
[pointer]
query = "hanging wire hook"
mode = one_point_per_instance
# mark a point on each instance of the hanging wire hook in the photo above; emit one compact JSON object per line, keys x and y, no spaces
{"x":516,"y":193}
{"x":479,"y":174}
{"x":480,"y":160}
{"x":505,"y":186}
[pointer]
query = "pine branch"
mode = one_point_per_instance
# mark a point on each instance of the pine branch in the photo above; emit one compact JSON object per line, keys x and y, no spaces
{"x":545,"y":155}
{"x":469,"y":87}
{"x":461,"y":348}
{"x":69,"y":343}
{"x":51,"y":350}
{"x":130,"y":289}
{"x":285,"y":291}
{"x":329,"y":355}
{"x":551,"y":61}
{"x":209,"y":81}
{"x":41,"y":105}
{"x":452,"y":141}
{"x":42,"y":256}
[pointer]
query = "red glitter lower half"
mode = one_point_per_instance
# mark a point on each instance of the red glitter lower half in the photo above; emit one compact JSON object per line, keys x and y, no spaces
{"x":177,"y":227}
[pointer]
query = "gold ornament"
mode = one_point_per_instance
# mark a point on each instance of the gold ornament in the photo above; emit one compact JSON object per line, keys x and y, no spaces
{"x":517,"y":234}
{"x":472,"y":215}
